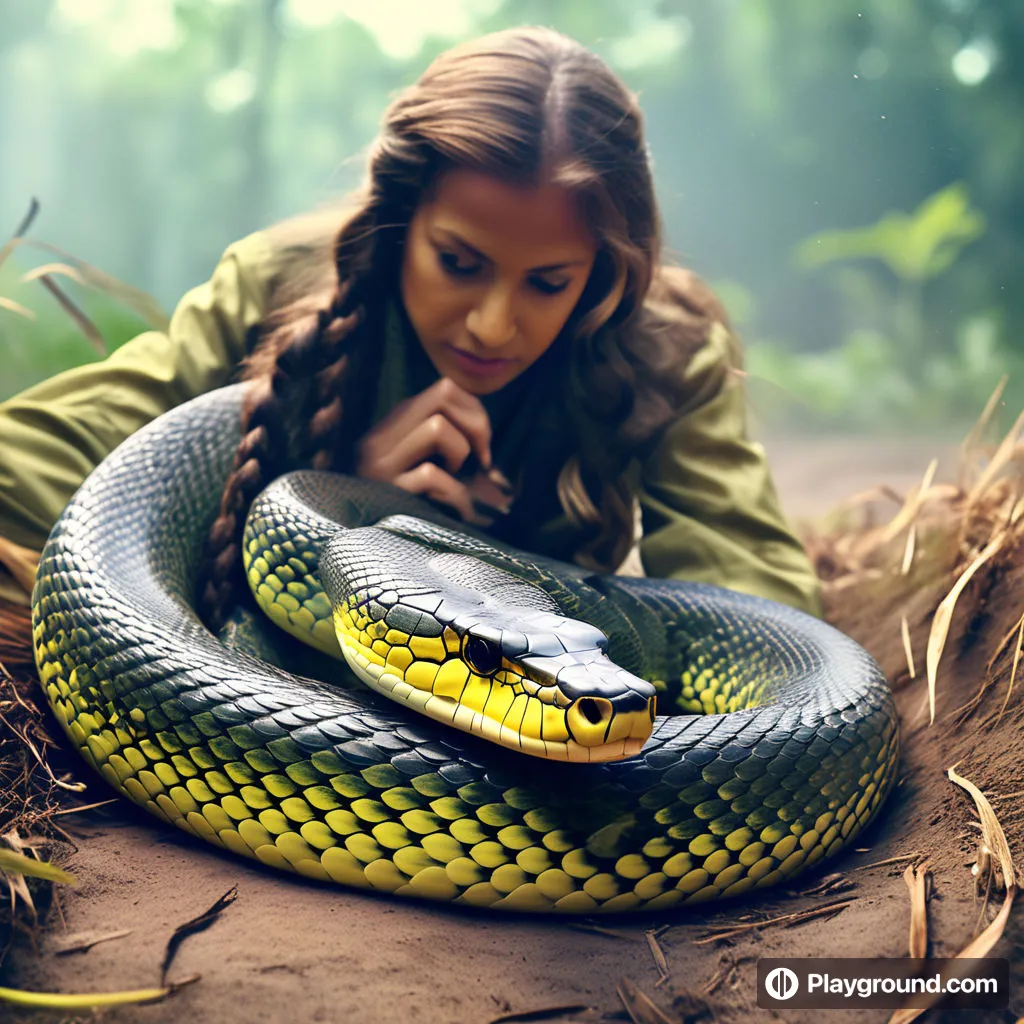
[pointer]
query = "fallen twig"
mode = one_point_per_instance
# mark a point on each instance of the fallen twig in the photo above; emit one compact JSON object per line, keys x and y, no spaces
{"x":659,"y":958}
{"x":640,"y":1007}
{"x":916,"y":877}
{"x":197,"y":924}
{"x":83,"y":943}
{"x":944,"y":617}
{"x":1013,"y":670}
{"x":545,"y":1013}
{"x":798,"y":917}
{"x":609,"y":933}
{"x":890,"y":860}
{"x":908,"y":649}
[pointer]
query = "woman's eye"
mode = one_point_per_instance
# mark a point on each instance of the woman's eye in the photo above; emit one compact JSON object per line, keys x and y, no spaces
{"x":450,"y":262}
{"x":548,"y":287}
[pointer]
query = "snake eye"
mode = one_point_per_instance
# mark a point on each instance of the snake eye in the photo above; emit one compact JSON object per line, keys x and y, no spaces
{"x":482,"y":656}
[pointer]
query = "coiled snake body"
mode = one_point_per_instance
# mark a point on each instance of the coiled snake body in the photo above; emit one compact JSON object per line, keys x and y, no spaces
{"x":780,"y":745}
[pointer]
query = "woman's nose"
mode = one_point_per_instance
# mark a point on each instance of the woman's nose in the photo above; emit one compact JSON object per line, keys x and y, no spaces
{"x":492,"y":321}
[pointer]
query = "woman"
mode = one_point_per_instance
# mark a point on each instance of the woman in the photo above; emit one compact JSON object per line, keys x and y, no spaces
{"x":489,"y":326}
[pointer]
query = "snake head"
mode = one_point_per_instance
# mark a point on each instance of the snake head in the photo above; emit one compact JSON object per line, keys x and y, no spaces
{"x":480,"y":649}
{"x":543,"y":685}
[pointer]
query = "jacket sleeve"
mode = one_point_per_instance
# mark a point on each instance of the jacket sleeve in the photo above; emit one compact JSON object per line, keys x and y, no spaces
{"x":709,"y":508}
{"x":53,"y":434}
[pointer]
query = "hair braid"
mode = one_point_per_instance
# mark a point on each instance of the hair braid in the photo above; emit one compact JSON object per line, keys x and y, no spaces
{"x":293,"y":409}
{"x":336,"y":328}
{"x":260,"y":450}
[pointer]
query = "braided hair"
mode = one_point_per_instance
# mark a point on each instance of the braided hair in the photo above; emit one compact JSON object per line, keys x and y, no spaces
{"x":301,"y":373}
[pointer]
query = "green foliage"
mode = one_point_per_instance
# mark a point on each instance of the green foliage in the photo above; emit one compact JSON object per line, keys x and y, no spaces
{"x":162,"y":132}
{"x":915,"y":247}
{"x":863,"y":384}
{"x":888,"y":373}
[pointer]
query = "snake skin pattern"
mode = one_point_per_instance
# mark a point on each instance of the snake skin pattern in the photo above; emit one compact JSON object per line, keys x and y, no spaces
{"x":782,"y":744}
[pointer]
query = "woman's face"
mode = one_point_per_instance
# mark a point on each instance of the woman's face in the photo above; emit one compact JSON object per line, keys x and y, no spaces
{"x":490,"y":274}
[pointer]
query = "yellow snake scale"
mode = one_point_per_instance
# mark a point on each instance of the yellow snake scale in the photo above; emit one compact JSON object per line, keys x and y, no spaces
{"x":779,"y":745}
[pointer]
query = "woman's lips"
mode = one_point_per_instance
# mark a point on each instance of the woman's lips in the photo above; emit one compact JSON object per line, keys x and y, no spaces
{"x":474,"y":366}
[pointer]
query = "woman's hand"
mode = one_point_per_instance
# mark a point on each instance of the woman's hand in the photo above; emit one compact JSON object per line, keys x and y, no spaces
{"x":424,"y":443}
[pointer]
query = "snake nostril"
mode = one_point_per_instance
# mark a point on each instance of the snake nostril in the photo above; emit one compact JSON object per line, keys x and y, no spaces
{"x":595,"y":711}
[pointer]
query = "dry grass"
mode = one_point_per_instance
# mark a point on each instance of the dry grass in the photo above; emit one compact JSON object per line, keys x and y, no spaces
{"x":920,"y":554}
{"x":941,"y":566}
{"x":35,"y":776}
{"x":993,"y":869}
{"x":34,"y":791}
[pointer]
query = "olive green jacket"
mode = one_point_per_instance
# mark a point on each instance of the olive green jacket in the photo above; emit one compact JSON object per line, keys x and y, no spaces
{"x":709,"y":508}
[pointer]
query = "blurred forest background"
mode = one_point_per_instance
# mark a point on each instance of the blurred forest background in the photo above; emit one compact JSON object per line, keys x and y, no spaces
{"x":847,"y":174}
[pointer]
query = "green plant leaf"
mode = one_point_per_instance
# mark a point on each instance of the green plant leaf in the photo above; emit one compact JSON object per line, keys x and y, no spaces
{"x":883,"y":241}
{"x":939,"y":230}
{"x":19,"y":864}
{"x":82,"y":1001}
{"x":915,"y":247}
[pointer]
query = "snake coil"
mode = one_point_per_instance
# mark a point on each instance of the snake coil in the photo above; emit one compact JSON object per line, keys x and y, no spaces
{"x":791,"y":752}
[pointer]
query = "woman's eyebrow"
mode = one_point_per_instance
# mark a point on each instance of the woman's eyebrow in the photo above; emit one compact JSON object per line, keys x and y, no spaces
{"x":547,"y":268}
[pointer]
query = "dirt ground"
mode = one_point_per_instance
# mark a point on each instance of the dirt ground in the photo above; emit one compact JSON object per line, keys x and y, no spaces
{"x":287,"y":949}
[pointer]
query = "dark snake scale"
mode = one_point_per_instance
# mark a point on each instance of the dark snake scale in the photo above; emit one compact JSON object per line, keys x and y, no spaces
{"x":777,"y":739}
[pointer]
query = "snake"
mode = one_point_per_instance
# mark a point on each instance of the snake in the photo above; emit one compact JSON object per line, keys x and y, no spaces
{"x":473,"y":724}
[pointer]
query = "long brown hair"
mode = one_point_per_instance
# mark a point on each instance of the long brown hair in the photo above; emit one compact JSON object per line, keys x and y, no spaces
{"x":529,"y":106}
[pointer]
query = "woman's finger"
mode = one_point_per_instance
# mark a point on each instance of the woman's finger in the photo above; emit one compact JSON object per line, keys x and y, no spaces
{"x":463,"y":410}
{"x":429,"y":480}
{"x":436,"y":436}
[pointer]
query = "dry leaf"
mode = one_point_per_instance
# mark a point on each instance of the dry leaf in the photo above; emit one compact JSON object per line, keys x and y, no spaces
{"x":908,"y":554}
{"x":996,"y":463}
{"x":52,"y":268}
{"x":972,"y":439}
{"x":1017,"y":512}
{"x":993,"y":840}
{"x":944,"y":617}
{"x":16,"y":307}
{"x":659,"y":956}
{"x":908,"y":650}
{"x":1013,"y":670}
{"x":911,"y":507}
{"x":993,"y":836}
